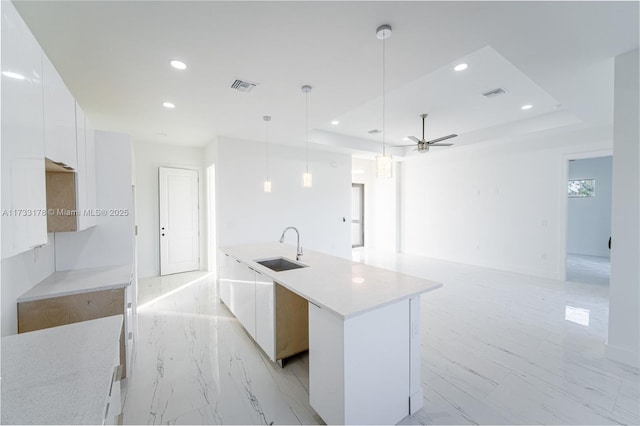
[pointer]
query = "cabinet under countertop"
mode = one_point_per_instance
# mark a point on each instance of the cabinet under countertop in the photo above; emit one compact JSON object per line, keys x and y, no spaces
{"x":67,"y":297}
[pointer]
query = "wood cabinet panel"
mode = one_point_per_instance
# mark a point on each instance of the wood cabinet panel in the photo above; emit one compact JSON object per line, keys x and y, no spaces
{"x":292,"y":323}
{"x":61,"y":198}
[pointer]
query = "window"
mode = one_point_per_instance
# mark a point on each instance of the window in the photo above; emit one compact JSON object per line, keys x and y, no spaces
{"x":582,"y":188}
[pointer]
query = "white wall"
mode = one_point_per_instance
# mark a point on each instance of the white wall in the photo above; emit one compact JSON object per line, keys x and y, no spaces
{"x":148,"y":157}
{"x":495,"y":204}
{"x":19,"y":274}
{"x":110,"y":242}
{"x":624,"y":289}
{"x":380,"y":206}
{"x":589,"y":218}
{"x":246,"y":214}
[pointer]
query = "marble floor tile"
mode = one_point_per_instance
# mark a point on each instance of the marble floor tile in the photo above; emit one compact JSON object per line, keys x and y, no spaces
{"x":151,"y":288}
{"x":498,"y":348}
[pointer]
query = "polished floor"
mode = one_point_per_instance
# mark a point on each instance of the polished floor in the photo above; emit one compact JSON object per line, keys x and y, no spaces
{"x":151,"y":289}
{"x":588,"y":269}
{"x":498,"y":348}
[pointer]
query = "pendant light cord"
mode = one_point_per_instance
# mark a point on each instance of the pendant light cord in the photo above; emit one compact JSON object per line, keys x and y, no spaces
{"x":383,"y":97}
{"x":306,"y":127}
{"x":266,"y":125}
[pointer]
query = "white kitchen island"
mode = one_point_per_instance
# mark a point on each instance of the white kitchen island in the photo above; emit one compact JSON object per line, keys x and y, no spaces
{"x":363,"y":328}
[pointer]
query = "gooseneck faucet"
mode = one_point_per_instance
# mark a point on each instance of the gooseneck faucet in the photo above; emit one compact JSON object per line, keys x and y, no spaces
{"x":299,"y":252}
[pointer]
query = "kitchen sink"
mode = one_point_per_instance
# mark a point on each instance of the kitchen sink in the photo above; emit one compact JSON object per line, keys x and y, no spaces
{"x":279,"y":264}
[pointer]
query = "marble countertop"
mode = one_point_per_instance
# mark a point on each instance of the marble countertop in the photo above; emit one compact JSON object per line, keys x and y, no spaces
{"x":60,"y":375}
{"x":64,"y":283}
{"x":345,"y":287}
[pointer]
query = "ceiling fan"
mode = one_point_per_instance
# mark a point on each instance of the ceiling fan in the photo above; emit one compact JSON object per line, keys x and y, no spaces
{"x":423,"y":145}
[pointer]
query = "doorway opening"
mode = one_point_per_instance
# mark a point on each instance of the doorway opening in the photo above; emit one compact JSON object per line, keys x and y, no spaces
{"x":589,"y":220}
{"x":357,"y":215}
{"x":212,"y":245}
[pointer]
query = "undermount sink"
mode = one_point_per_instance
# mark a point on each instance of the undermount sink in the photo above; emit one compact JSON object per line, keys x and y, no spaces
{"x":279,"y":264}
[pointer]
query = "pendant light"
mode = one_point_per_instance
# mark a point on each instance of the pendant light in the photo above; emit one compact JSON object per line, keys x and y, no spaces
{"x":384,"y":162}
{"x":267,"y":182}
{"x":306,"y":176}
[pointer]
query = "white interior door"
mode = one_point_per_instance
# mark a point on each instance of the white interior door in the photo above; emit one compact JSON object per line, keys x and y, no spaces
{"x":357,"y":215}
{"x":179,"y":231}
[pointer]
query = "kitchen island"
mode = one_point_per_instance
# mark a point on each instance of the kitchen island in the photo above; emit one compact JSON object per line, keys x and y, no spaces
{"x":363,"y":327}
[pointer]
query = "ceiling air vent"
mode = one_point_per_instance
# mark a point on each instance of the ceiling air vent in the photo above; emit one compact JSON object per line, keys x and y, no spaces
{"x":374,"y":131}
{"x":495,"y":92}
{"x":243,"y":85}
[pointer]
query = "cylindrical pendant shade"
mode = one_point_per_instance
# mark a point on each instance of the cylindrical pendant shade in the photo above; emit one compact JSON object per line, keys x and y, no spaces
{"x":307,"y":180}
{"x":384,"y":166}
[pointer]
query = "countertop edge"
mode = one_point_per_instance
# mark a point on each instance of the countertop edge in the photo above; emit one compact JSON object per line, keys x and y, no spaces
{"x":23,"y":299}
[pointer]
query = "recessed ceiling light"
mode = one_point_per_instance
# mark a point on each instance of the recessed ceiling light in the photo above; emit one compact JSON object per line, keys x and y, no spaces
{"x":335,"y":122}
{"x":460,"y":67}
{"x":13,"y":75}
{"x":168,"y":105}
{"x":527,"y":106}
{"x":162,"y":134}
{"x":179,"y":65}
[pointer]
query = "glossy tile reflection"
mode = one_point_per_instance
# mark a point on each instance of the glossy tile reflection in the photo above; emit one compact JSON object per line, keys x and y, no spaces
{"x":498,"y":348}
{"x":194,"y":364}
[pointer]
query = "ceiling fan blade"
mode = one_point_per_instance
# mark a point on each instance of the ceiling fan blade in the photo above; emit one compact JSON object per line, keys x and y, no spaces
{"x":402,"y":146}
{"x":444,"y":138}
{"x":441,"y":144}
{"x":413,"y":138}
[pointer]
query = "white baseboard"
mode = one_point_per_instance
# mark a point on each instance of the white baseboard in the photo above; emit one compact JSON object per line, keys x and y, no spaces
{"x":625,"y":356}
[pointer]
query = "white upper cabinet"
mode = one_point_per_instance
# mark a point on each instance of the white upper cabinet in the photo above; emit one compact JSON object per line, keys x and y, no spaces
{"x":82,"y":202}
{"x":24,"y":222}
{"x":90,"y":160}
{"x":59,"y":117}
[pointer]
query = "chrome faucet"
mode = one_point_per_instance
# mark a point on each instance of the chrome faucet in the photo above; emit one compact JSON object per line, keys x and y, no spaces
{"x":299,"y":252}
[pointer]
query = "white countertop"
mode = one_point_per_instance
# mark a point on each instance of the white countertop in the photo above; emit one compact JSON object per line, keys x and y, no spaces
{"x":345,"y":287}
{"x":60,"y":375}
{"x":64,"y":283}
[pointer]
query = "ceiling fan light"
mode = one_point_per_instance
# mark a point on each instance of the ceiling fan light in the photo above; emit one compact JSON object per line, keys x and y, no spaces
{"x":384,"y":166}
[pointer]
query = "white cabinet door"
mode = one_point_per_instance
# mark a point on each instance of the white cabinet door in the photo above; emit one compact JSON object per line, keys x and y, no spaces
{"x":265,"y":315}
{"x":24,"y":222}
{"x":243,"y":296}
{"x":82,"y":202}
{"x":90,"y":167}
{"x":224,"y":289}
{"x":59,"y":117}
